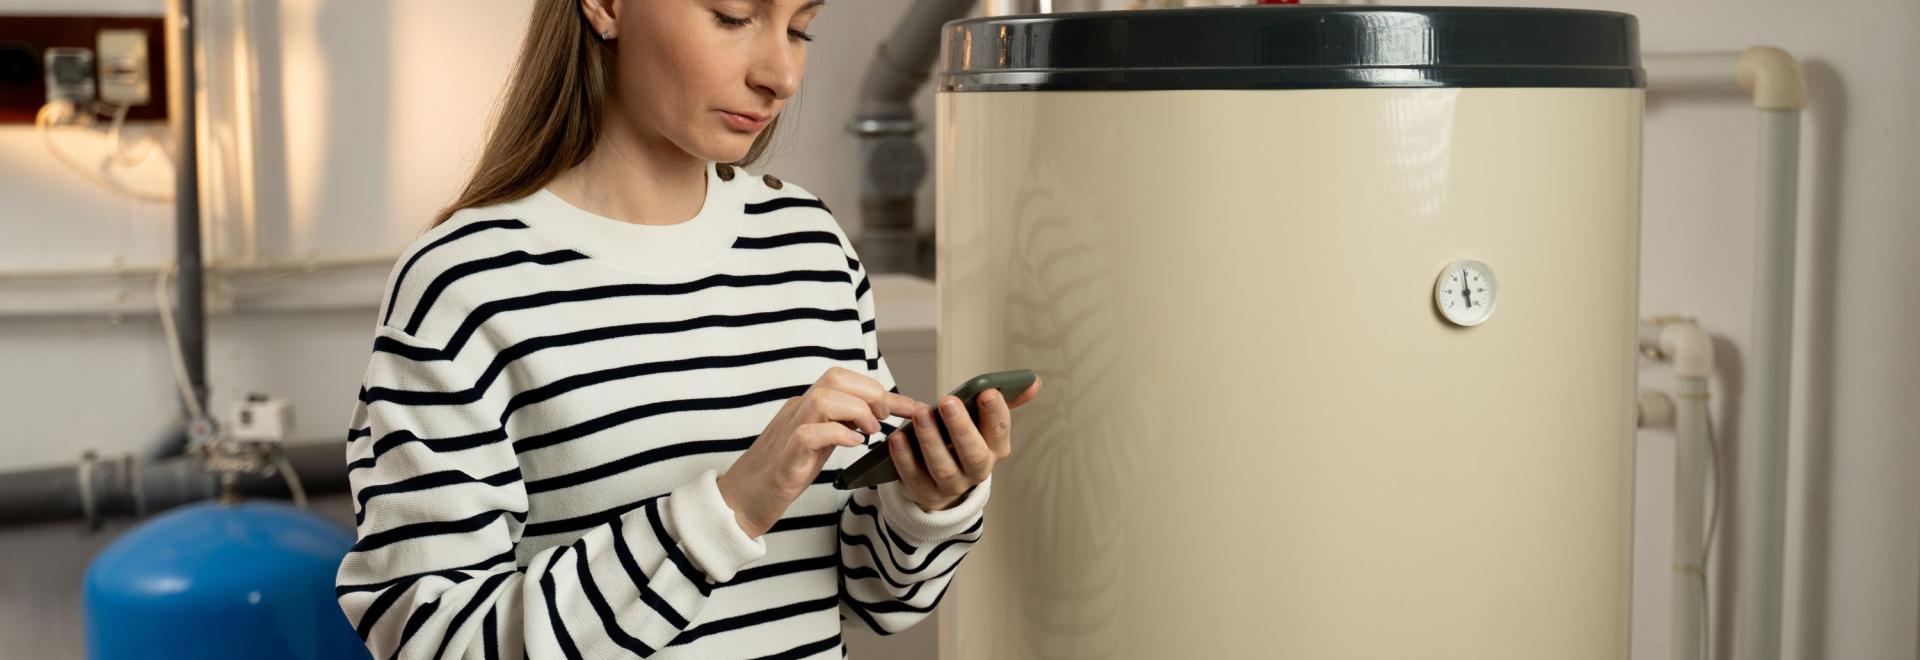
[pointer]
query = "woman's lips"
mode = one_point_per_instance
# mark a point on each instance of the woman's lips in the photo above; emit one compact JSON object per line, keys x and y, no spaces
{"x":745,"y":123}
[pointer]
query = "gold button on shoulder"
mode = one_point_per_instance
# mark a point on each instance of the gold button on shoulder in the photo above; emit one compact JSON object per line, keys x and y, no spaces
{"x":724,"y":170}
{"x":771,"y":181}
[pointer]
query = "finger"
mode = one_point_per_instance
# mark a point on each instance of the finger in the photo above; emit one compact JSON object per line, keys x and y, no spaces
{"x":913,"y":475}
{"x":901,"y":405}
{"x":941,"y":467}
{"x":969,"y":448}
{"x":831,"y":405}
{"x":996,"y":423}
{"x":1032,"y":391}
{"x":859,"y":385}
{"x":825,"y":435}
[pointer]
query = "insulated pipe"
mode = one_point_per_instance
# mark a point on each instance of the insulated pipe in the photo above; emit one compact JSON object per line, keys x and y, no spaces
{"x":894,"y":163}
{"x":1691,"y":351}
{"x":191,"y":317}
{"x":99,"y":488}
{"x":1774,"y":80}
{"x":40,"y":495}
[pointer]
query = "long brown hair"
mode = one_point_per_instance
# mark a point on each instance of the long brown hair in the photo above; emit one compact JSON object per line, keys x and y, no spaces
{"x":549,"y":118}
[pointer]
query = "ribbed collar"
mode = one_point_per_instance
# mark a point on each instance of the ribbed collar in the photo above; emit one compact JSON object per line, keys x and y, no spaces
{"x":693,"y":244}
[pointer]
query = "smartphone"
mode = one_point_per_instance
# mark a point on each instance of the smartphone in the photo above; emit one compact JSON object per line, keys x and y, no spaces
{"x":876,"y":467}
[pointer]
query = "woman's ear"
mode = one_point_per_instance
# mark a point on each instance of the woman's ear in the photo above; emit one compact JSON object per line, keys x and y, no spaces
{"x":603,"y":16}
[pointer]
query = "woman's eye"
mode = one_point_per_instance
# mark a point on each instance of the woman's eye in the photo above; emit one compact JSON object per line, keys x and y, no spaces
{"x":731,"y":21}
{"x":803,"y":36}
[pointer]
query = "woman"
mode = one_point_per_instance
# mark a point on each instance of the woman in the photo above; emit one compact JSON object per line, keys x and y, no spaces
{"x":610,"y":387}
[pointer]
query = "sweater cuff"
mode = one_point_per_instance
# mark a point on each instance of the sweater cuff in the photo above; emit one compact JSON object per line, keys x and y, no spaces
{"x":706,"y":529}
{"x":917,"y":526}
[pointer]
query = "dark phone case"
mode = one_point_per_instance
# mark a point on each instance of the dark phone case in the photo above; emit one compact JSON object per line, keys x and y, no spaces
{"x":876,"y":467}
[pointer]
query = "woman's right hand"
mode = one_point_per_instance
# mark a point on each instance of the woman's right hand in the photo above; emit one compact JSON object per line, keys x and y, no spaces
{"x":788,"y":455}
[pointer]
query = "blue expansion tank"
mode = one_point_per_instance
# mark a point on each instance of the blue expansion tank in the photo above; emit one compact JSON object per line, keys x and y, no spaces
{"x":211,"y":580}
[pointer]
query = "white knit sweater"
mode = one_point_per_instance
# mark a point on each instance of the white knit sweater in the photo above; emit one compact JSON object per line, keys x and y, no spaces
{"x":550,"y":397}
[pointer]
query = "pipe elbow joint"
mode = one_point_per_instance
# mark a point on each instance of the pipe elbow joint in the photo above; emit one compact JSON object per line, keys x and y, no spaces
{"x":1690,"y":348}
{"x":1773,"y":77}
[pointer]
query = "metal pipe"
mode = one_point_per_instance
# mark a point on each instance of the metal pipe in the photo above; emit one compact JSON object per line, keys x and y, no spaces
{"x":183,"y":118}
{"x":894,"y":164}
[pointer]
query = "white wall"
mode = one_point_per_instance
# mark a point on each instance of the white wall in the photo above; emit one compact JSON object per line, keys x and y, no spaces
{"x":371,"y":111}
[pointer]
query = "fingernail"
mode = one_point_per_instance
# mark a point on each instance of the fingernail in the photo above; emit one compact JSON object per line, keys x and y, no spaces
{"x":951,"y":406}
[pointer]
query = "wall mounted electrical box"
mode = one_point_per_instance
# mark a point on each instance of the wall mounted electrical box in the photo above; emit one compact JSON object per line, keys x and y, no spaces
{"x":116,"y":60}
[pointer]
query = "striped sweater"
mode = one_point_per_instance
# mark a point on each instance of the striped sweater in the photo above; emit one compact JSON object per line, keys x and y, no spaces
{"x":550,"y":398}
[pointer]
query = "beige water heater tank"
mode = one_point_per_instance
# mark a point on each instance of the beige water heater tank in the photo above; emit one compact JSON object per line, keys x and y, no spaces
{"x":1335,"y":311}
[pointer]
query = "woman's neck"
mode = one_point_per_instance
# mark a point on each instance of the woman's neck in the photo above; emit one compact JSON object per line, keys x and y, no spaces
{"x":635,"y":176}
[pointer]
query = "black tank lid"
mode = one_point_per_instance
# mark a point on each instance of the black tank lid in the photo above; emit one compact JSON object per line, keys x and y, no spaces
{"x":1292,"y":47}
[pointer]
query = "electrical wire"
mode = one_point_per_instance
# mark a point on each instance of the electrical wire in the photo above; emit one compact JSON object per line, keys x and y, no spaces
{"x":43,"y":122}
{"x":285,"y":468}
{"x":114,"y":150}
{"x":1706,"y":549}
{"x":164,"y":302}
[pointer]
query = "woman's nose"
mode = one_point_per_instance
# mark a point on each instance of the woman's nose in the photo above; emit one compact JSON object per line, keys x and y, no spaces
{"x":776,"y":69}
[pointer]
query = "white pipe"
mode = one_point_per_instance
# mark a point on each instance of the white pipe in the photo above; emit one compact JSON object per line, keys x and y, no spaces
{"x":283,"y":284}
{"x":1763,"y":415}
{"x":1699,"y":73}
{"x":1691,"y":351}
{"x":1778,"y":86}
{"x":1655,"y":409}
{"x":1774,"y":80}
{"x":1771,"y":76}
{"x":147,"y":271}
{"x":1691,"y":459}
{"x":1650,"y":338}
{"x":1688,"y":346}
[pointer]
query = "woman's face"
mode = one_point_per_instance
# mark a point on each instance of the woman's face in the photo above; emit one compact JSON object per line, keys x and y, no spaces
{"x":705,"y":75}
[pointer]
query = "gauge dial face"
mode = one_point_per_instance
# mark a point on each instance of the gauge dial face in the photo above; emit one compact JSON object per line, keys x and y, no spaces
{"x":1466,"y":293}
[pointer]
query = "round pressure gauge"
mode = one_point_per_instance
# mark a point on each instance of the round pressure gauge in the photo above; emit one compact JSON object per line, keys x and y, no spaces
{"x":1466,"y":293}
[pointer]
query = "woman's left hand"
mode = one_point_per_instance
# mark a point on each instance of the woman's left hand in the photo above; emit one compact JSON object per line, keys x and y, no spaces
{"x":945,"y":476}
